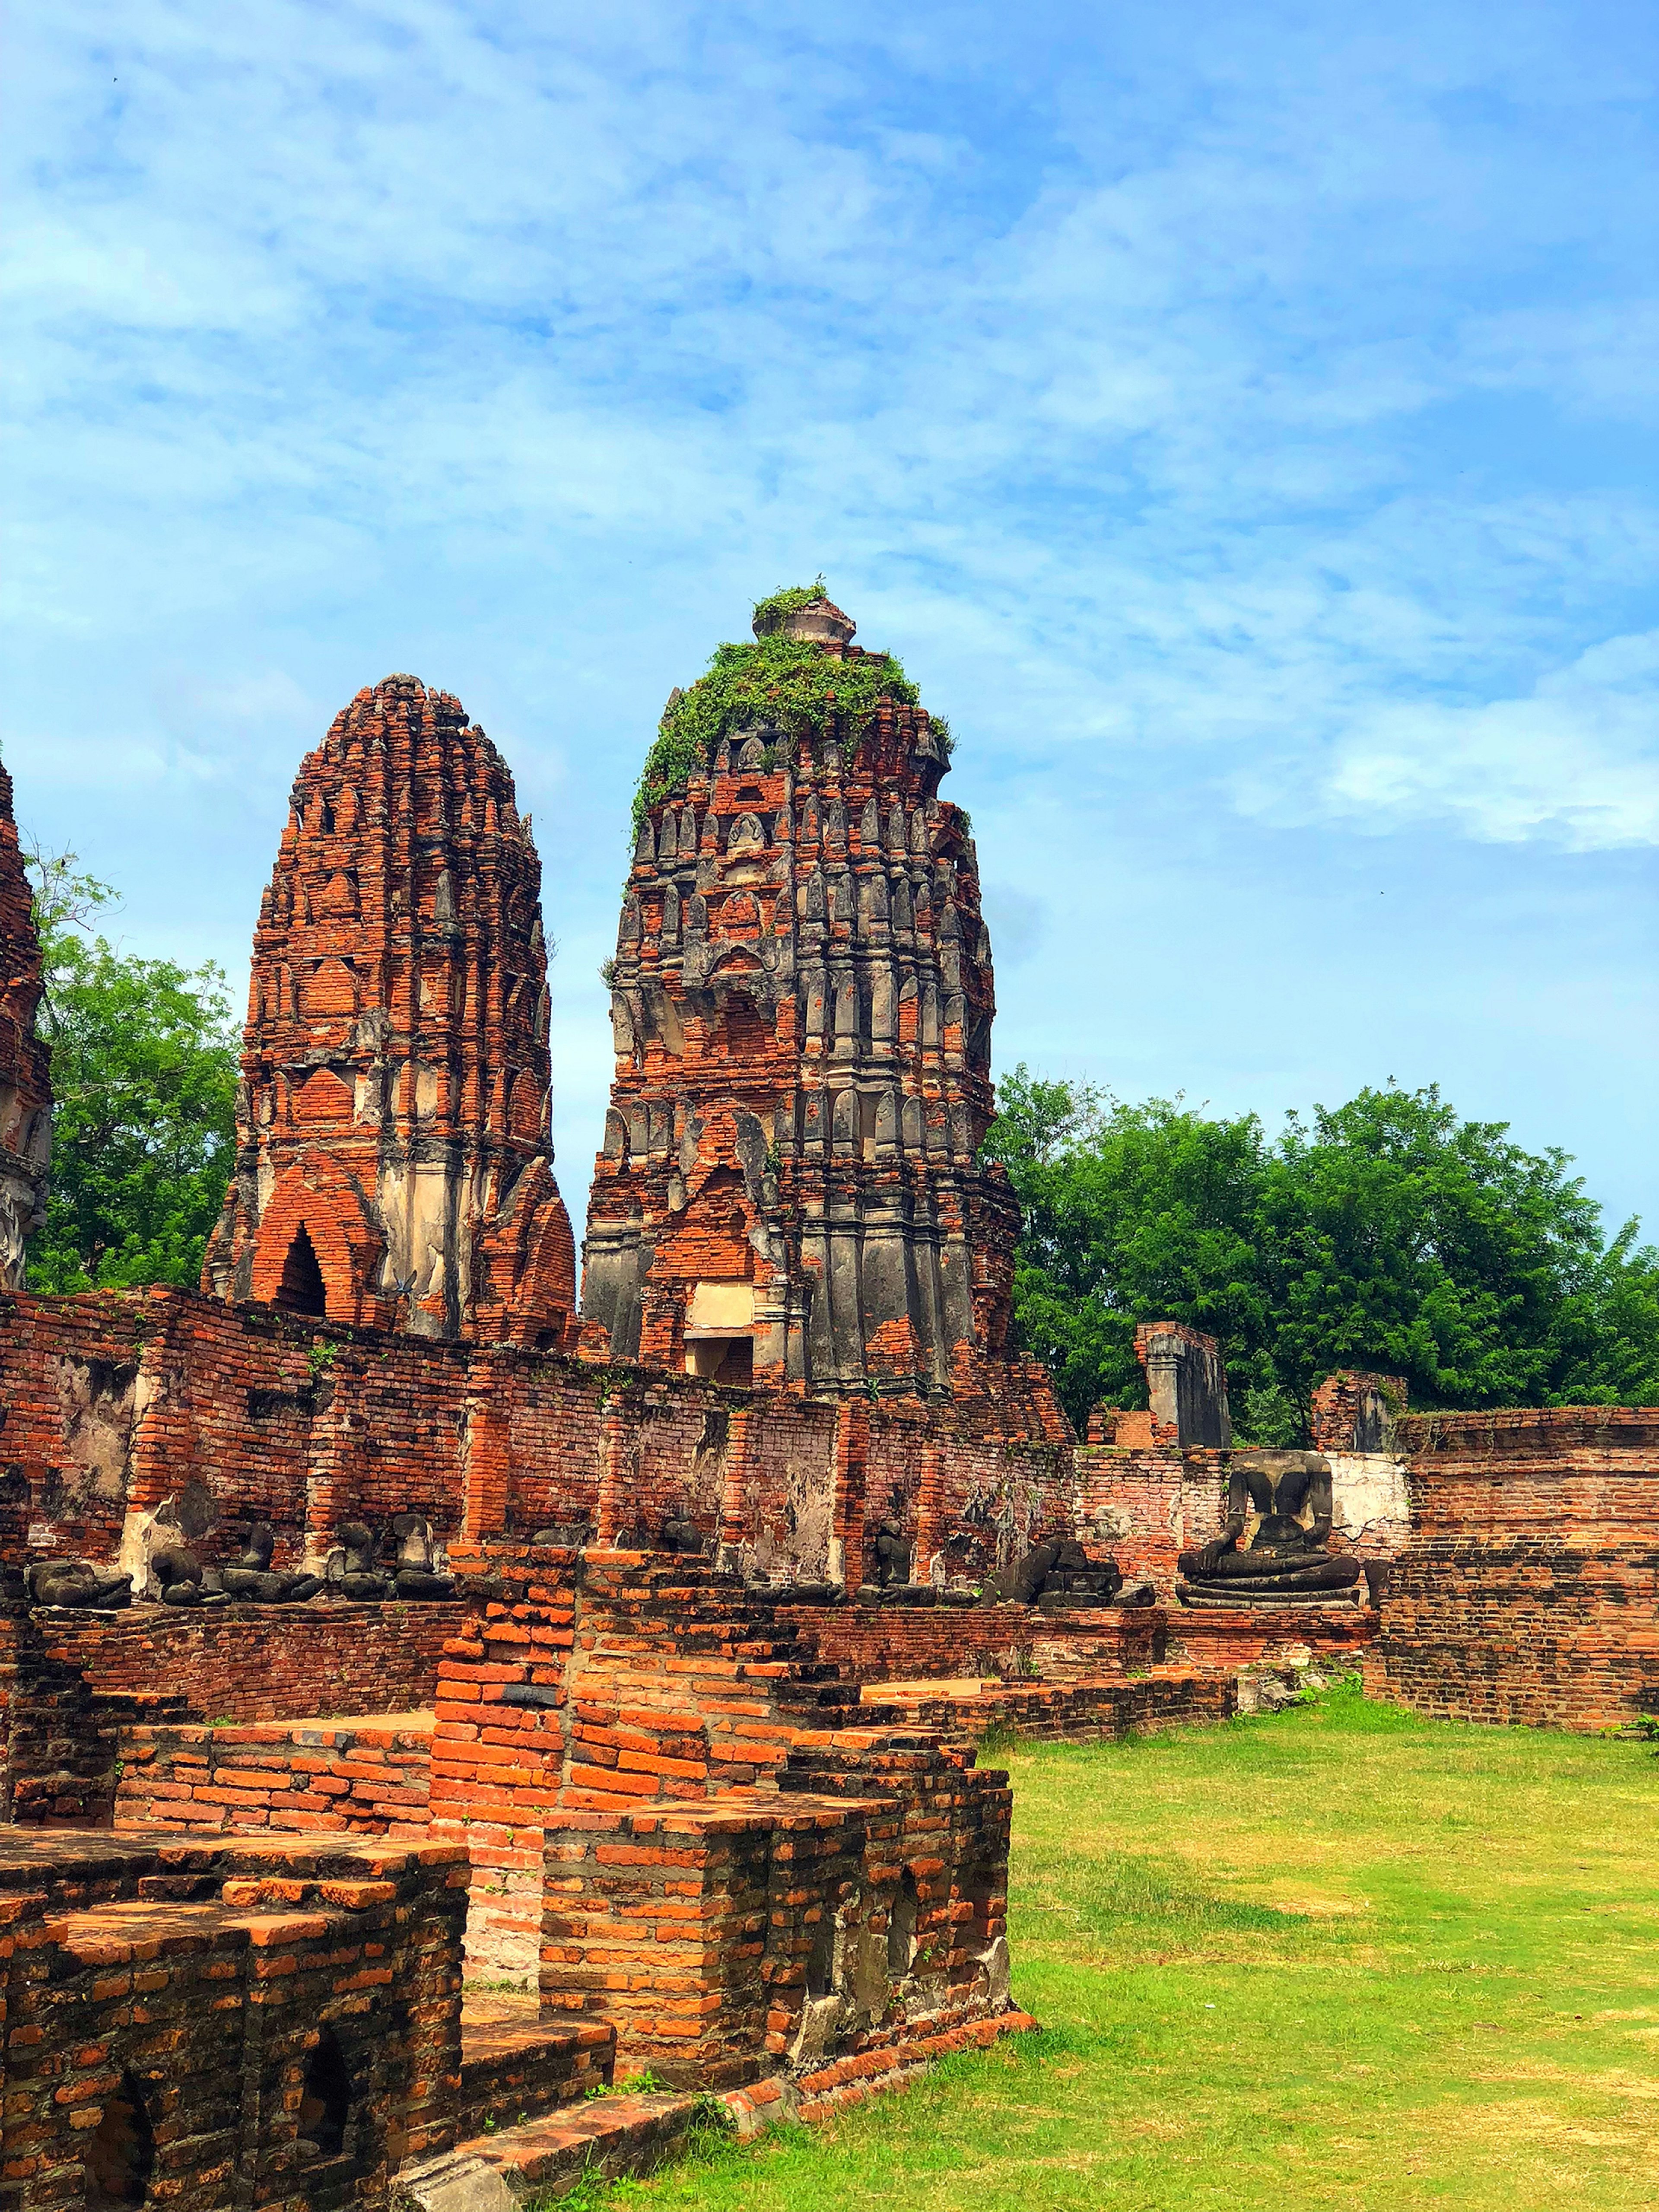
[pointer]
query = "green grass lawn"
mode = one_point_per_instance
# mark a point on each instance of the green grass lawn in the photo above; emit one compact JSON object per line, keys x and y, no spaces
{"x":1337,"y":1957}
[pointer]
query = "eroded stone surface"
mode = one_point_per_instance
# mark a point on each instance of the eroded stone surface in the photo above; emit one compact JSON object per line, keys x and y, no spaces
{"x":802,"y":999}
{"x":24,"y":1060}
{"x":393,"y":1165}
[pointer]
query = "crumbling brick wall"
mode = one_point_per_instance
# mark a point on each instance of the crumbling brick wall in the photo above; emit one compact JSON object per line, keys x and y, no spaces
{"x":118,"y":1402}
{"x":250,"y":1663}
{"x":184,"y":1994}
{"x":1529,"y":1591}
{"x":364,"y":1777}
{"x":889,"y":1643}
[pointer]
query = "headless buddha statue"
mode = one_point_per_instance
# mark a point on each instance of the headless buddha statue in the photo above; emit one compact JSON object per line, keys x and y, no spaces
{"x":1286,"y":1561}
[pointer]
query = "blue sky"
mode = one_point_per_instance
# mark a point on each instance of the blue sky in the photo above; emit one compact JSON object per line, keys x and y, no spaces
{"x":1240,"y":419}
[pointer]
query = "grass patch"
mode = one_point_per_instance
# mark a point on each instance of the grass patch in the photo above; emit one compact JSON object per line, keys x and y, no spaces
{"x":1338,"y":1957}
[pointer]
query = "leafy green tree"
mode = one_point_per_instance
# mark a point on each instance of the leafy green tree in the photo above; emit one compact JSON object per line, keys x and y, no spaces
{"x":1387,"y":1233}
{"x":144,"y":1072}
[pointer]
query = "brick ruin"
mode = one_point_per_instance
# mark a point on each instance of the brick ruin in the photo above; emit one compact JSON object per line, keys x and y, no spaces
{"x":347,"y":1899}
{"x":789,"y":1190}
{"x":392,"y":1163}
{"x":24,"y":1060}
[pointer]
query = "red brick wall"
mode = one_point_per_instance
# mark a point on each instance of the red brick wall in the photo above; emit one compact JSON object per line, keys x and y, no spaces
{"x":1240,"y":1636}
{"x":1529,"y":1591}
{"x":368,"y":1779}
{"x":118,"y":1401}
{"x":259,"y":1664}
{"x":876,"y":1644}
{"x":1146,"y":1505}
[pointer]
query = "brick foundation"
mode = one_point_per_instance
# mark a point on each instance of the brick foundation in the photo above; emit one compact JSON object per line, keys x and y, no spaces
{"x":194,"y":1985}
{"x":247,"y":1663}
{"x":879,"y":1643}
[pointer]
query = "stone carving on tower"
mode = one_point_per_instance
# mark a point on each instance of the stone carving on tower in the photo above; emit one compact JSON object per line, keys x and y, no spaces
{"x":393,"y":1165}
{"x":25,"y":1059}
{"x":789,"y":1189}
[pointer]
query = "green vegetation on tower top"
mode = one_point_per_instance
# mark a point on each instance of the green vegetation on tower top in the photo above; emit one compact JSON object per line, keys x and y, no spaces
{"x":776,"y":604}
{"x":791,"y":681}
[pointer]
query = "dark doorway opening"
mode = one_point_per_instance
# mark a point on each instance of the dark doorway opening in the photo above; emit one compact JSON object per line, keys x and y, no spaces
{"x":902,"y":1927}
{"x":821,"y":1960}
{"x":325,"y":2099}
{"x":302,"y":1290}
{"x":121,"y":2155}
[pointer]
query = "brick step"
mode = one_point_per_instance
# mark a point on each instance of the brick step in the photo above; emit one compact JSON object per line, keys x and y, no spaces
{"x":604,"y":2138}
{"x":519,"y":2064}
{"x":817,"y":1696}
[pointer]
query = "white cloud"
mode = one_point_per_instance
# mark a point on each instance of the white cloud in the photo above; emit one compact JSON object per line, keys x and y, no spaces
{"x":1577,"y":760}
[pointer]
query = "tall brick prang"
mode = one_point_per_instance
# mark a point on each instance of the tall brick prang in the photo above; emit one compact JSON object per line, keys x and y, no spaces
{"x":393,"y":1166}
{"x":789,"y":1189}
{"x":25,"y":1059}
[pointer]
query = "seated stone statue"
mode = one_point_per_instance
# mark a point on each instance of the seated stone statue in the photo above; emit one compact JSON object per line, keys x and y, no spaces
{"x":417,"y":1574}
{"x":892,"y":1553}
{"x":1059,"y":1573}
{"x":76,"y":1583}
{"x":680,"y":1533}
{"x":350,"y":1566}
{"x":253,"y":1576}
{"x":1286,"y":1561}
{"x":178,"y":1573}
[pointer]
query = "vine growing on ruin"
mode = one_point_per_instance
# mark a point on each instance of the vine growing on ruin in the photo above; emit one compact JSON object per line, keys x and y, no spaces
{"x":791,"y":681}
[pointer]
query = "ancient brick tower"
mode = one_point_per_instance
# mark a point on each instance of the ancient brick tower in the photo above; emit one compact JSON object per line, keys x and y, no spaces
{"x":392,"y":1163}
{"x":25,"y":1061}
{"x":802,"y":1000}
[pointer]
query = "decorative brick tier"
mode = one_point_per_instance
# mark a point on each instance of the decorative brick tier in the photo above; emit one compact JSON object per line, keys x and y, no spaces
{"x":367,"y":1776}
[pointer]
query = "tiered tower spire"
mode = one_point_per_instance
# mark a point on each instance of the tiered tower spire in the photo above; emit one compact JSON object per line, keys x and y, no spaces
{"x":802,"y":999}
{"x":25,"y":1059}
{"x":393,"y":1164}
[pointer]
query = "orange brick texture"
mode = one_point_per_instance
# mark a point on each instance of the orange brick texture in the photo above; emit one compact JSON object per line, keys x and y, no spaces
{"x":1529,"y":1589}
{"x":366,"y":1777}
{"x":598,"y":1687}
{"x":196,"y":1980}
{"x":801,"y":1002}
{"x":392,"y":1124}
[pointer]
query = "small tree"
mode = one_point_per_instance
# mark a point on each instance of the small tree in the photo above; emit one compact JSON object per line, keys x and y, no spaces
{"x":143,"y":1072}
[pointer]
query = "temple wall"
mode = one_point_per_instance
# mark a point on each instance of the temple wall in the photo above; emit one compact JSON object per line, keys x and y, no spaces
{"x":251,"y":1663}
{"x":116,"y":1401}
{"x":886,"y":1642}
{"x":1529,"y":1589}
